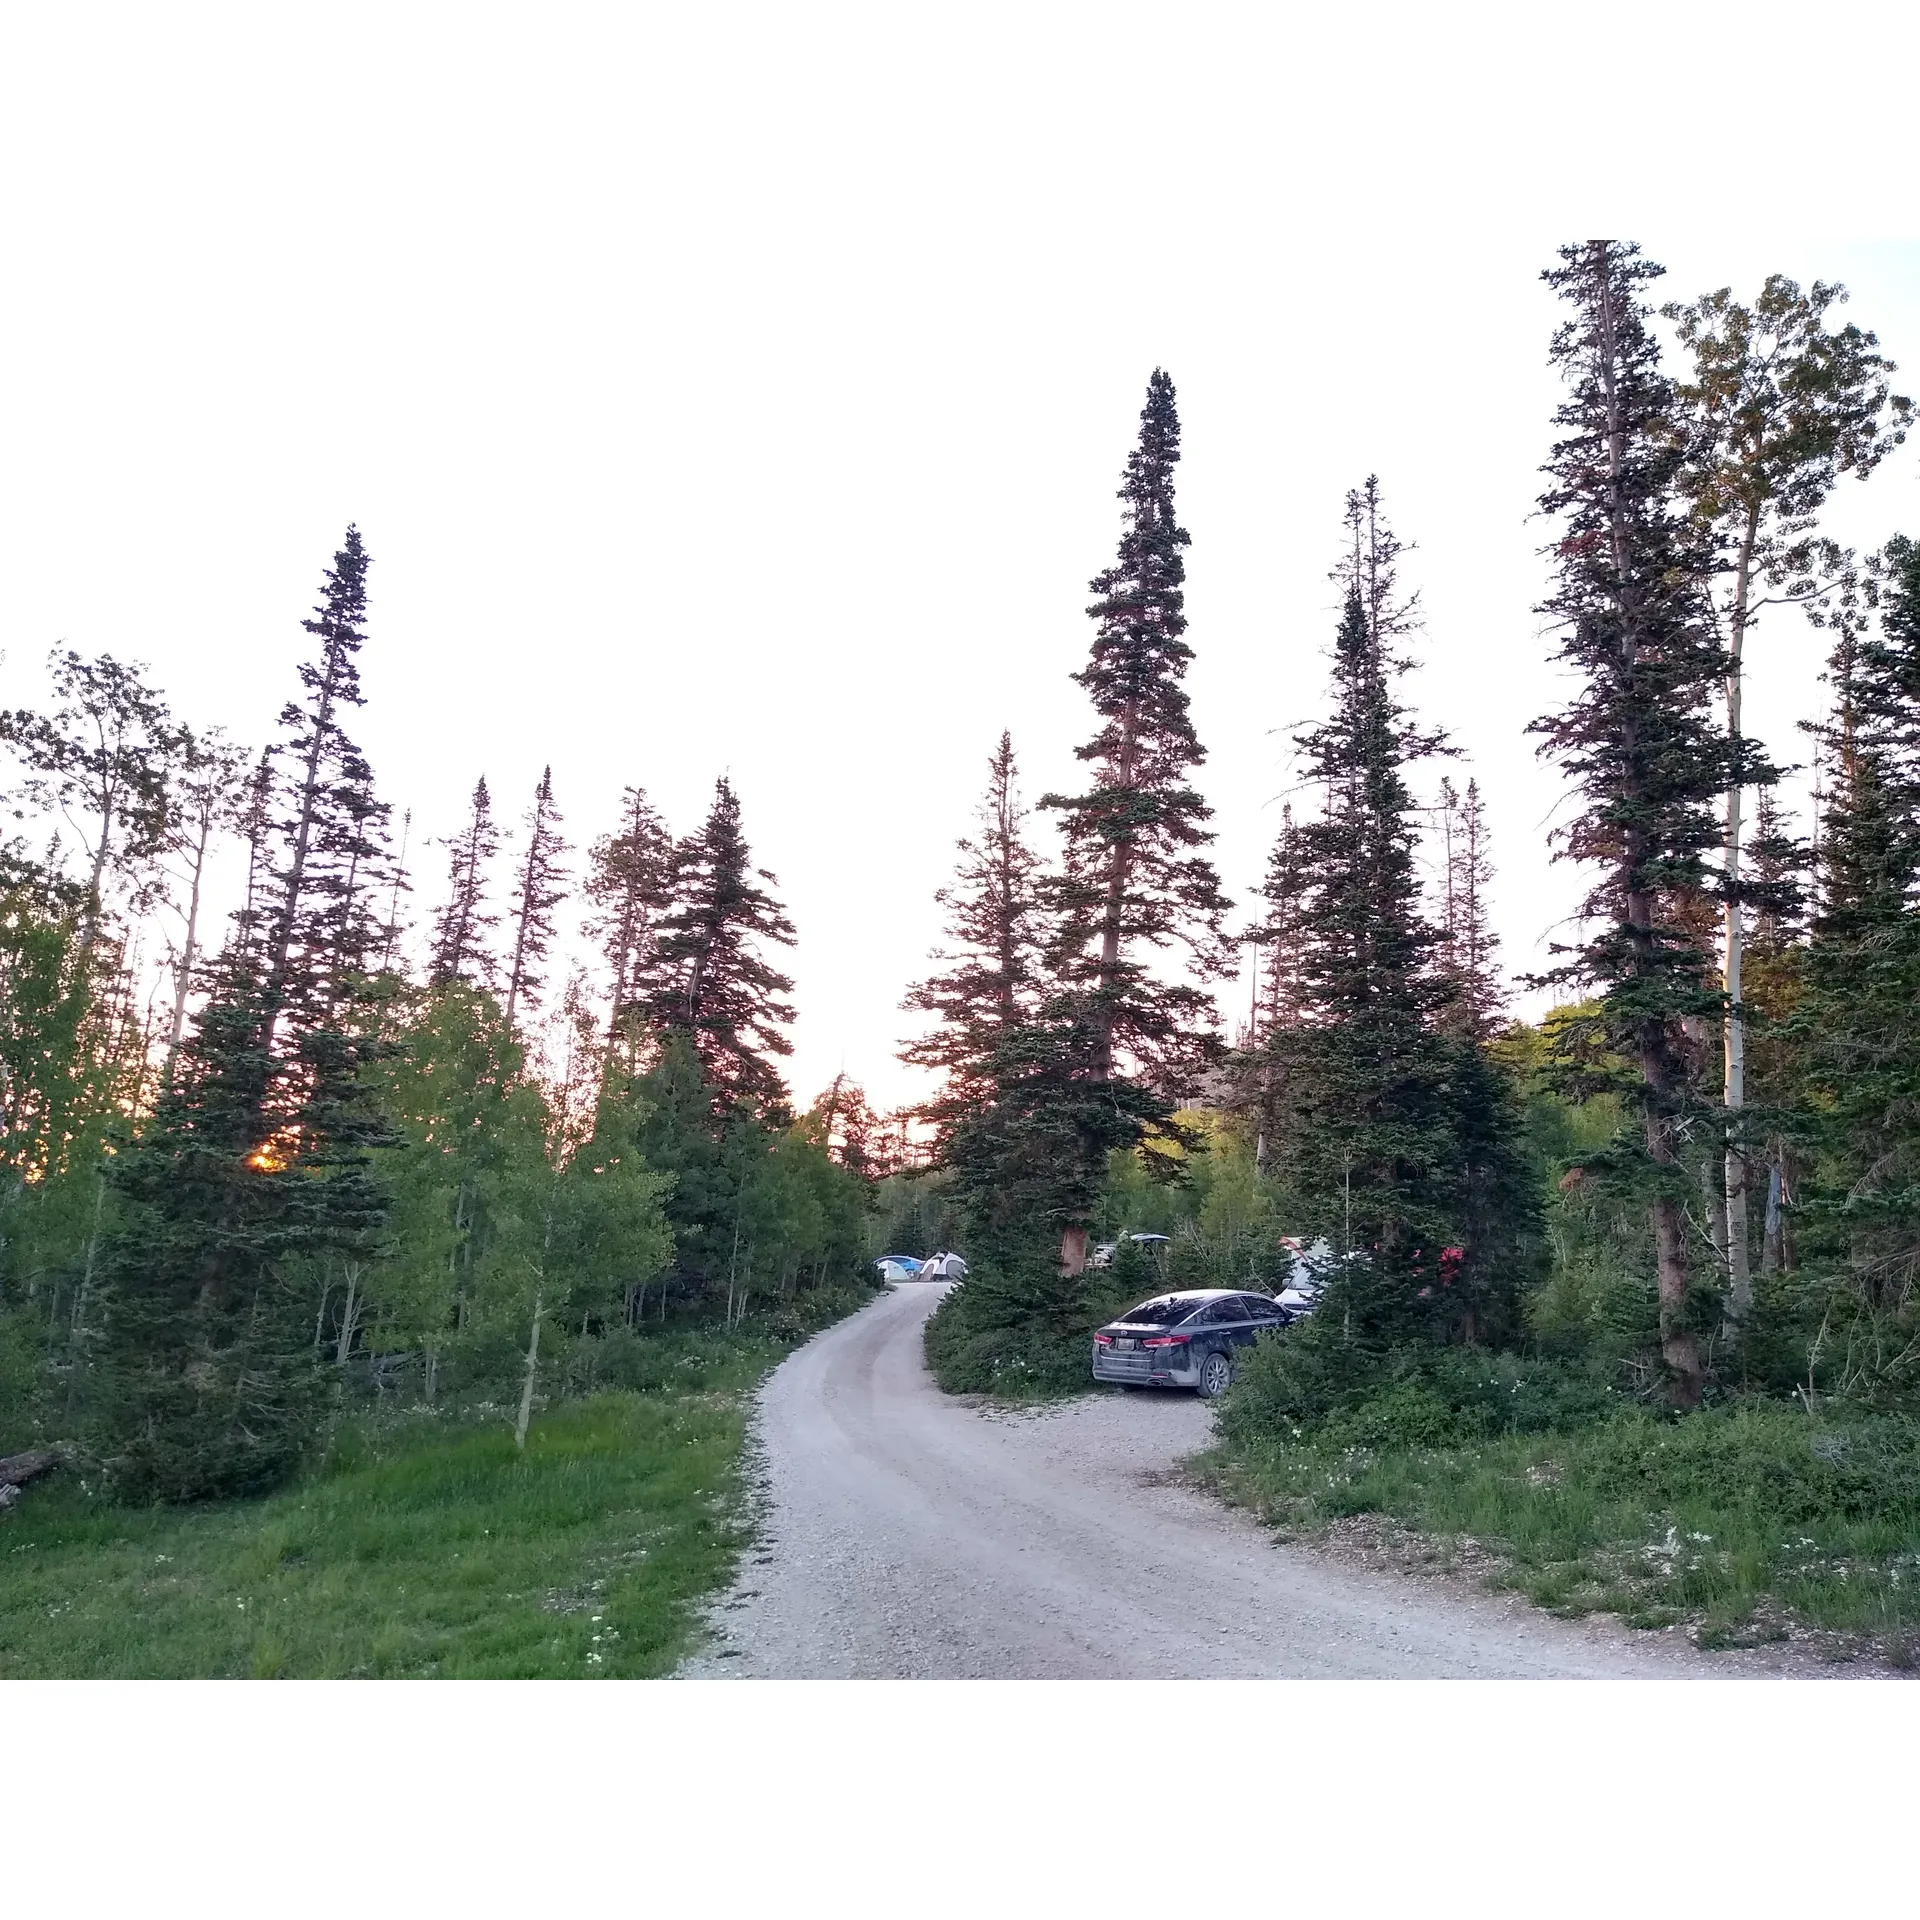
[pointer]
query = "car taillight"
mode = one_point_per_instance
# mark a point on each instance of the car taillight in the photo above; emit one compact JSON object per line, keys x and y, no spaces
{"x":1103,"y":1339}
{"x":1168,"y":1340}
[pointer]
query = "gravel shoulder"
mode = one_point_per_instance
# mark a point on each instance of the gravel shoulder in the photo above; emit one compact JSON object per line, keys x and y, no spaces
{"x":904,"y":1534}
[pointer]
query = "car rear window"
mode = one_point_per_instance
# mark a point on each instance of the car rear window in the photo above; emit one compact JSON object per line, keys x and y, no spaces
{"x":1162,"y":1312}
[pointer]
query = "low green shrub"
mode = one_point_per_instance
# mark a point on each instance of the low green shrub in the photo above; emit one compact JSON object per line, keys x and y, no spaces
{"x":1312,"y":1378}
{"x":1018,"y":1328}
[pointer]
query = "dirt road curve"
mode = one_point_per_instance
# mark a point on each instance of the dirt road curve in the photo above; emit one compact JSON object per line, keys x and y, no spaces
{"x":907,"y":1535}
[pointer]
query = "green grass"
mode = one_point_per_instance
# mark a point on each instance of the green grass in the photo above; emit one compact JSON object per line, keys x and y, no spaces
{"x":1738,"y":1521}
{"x":426,"y":1546}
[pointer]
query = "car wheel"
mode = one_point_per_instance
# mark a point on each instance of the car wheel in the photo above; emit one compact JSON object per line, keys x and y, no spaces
{"x":1216,"y":1376}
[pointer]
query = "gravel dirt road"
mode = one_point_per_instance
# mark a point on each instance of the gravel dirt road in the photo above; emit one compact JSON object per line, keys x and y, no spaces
{"x":905,"y":1534}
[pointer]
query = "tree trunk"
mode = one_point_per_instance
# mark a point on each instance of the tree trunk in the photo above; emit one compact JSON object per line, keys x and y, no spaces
{"x":1770,"y":1235}
{"x":17,"y":1469}
{"x":1739,"y":1274}
{"x":526,"y":1385}
{"x":1714,"y":1202}
{"x":94,"y":904}
{"x":1073,"y":1251}
{"x":1678,"y":1347}
{"x":190,"y":948}
{"x":349,"y":1317}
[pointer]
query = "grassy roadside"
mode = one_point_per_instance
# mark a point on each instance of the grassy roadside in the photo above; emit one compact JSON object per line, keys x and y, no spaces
{"x":1743,"y":1523}
{"x":425,"y":1546}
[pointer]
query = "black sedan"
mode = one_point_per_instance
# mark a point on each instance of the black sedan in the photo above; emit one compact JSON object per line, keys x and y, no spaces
{"x":1188,"y":1339}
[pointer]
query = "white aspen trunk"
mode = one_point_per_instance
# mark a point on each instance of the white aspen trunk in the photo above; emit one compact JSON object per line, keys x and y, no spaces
{"x":526,"y":1385}
{"x":320,"y":1318}
{"x":1739,"y":1275}
{"x":190,"y":948}
{"x":433,"y":1372}
{"x":349,"y":1317}
{"x":733,"y":1267}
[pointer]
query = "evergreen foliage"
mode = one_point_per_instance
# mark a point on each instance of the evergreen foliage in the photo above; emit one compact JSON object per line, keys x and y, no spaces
{"x":538,"y":892}
{"x":1134,"y":878}
{"x":256,"y":1165}
{"x":629,"y":886}
{"x":994,"y":972}
{"x":303,"y":1175}
{"x":715,"y":986}
{"x":1855,"y":1030}
{"x":1638,"y":742}
{"x":461,"y":927}
{"x":1379,"y":1112}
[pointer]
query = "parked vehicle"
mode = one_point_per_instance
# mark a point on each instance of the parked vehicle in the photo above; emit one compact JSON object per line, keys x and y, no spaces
{"x":1191,"y":1339}
{"x":1102,"y":1256}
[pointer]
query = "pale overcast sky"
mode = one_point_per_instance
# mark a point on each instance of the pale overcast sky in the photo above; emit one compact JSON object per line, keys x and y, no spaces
{"x":745,"y":389}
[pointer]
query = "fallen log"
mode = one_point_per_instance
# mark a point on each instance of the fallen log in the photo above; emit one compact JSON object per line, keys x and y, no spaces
{"x":18,"y":1468}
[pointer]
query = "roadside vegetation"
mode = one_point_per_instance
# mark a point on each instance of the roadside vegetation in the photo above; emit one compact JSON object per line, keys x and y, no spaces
{"x":422,"y":1544}
{"x":376,"y":1297}
{"x":1629,"y":1297}
{"x":1741,"y":1522}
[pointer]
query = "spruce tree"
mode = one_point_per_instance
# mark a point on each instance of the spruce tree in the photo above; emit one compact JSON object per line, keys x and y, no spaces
{"x":714,"y":984}
{"x":317,"y":917}
{"x":461,"y":927}
{"x":1467,"y":941}
{"x":1380,"y":1130}
{"x":1257,"y":1082}
{"x":993,"y":978}
{"x":1856,"y":1029}
{"x":1135,"y":879}
{"x":629,"y":886}
{"x":538,"y":892}
{"x":255,"y":1169}
{"x":1638,"y":739}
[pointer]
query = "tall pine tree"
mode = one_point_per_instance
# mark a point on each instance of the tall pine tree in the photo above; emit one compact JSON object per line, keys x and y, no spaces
{"x":715,"y":984}
{"x":1135,"y":879}
{"x":993,"y":978}
{"x":1467,"y":941}
{"x":255,"y":1171}
{"x":1390,"y":1141}
{"x":461,"y":927}
{"x":629,"y":886}
{"x":539,"y":888}
{"x":1638,"y":739}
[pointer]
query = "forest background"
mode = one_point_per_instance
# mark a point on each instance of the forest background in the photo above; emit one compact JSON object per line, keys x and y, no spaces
{"x":184,"y":381}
